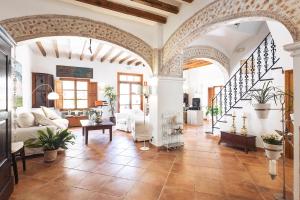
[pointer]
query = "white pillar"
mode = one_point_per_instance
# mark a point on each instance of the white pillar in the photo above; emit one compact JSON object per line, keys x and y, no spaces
{"x":166,"y":97}
{"x":295,"y":53}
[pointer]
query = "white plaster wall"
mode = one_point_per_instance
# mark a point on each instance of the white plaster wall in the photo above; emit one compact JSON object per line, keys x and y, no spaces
{"x":187,"y":10}
{"x":167,"y":99}
{"x":104,"y":73}
{"x":18,"y":8}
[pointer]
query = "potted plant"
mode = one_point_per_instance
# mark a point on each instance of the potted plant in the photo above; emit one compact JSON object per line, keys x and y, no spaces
{"x":51,"y":142}
{"x":212,"y":111}
{"x":262,"y":97}
{"x":273,"y":145}
{"x":112,"y":97}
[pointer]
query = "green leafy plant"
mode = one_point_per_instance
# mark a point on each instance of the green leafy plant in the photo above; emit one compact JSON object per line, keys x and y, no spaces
{"x":264,"y":95}
{"x":274,"y":139}
{"x":109,"y":93}
{"x":213,"y":111}
{"x":48,"y":140}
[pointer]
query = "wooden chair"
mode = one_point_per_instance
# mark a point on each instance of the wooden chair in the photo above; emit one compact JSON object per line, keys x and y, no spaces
{"x":17,"y":149}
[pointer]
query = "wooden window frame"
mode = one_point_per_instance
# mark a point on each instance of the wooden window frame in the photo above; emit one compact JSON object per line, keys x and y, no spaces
{"x":75,"y":92}
{"x":141,"y":82}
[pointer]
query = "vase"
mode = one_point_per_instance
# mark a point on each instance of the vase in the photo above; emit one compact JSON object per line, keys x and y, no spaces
{"x":273,"y":152}
{"x":50,"y":155}
{"x":262,"y":110}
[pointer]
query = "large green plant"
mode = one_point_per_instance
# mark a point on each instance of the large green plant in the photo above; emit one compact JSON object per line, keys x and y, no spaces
{"x":48,"y":140}
{"x":265,"y":94}
{"x":109,"y":93}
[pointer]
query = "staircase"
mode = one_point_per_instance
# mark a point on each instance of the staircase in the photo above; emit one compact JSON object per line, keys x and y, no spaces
{"x":253,"y":71}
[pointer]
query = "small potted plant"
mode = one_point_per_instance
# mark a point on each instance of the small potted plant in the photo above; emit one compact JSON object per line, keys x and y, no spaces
{"x":51,"y":142}
{"x":262,"y":97}
{"x":273,"y":145}
{"x":112,"y":97}
{"x":212,"y":111}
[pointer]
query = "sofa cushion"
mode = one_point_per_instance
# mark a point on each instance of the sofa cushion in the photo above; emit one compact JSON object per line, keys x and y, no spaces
{"x":42,"y":120}
{"x":49,"y":113}
{"x":25,"y":120}
{"x":61,"y":123}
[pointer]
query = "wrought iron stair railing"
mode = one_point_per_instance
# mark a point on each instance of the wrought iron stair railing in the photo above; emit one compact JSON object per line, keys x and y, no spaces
{"x":244,"y":80}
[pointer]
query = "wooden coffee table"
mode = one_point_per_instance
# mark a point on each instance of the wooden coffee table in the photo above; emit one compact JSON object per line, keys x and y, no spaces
{"x":88,"y":125}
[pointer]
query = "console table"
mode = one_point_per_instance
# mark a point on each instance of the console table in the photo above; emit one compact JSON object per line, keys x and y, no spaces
{"x":247,"y":142}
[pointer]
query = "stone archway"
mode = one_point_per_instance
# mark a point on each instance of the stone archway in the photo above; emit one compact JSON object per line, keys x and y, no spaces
{"x":200,"y":51}
{"x":30,"y":27}
{"x":221,"y":12}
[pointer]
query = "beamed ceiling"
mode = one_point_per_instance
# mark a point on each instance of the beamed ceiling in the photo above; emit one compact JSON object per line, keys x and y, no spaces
{"x":195,"y":63}
{"x":84,"y":49}
{"x":145,"y":10}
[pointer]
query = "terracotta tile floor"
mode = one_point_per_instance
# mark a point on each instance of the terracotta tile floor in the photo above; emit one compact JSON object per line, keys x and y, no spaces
{"x":201,"y":170}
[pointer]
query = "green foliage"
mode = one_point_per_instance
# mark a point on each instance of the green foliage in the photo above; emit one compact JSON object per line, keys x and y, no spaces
{"x":274,"y":139}
{"x":48,"y":140}
{"x":109,"y":93}
{"x":264,"y":95}
{"x":213,"y":111}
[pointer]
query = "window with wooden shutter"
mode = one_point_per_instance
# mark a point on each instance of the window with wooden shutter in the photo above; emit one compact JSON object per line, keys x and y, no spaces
{"x":92,"y":93}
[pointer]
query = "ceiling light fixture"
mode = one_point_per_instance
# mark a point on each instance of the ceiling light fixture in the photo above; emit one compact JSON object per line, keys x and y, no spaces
{"x":237,"y":25}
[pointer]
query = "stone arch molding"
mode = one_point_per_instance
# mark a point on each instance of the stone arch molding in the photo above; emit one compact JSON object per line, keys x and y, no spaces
{"x":206,"y":52}
{"x":30,"y":27}
{"x":221,"y":12}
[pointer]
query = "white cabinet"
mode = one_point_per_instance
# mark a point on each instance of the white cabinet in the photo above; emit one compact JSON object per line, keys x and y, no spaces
{"x":195,"y":117}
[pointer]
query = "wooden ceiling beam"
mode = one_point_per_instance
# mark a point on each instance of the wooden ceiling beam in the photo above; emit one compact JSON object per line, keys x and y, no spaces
{"x":98,"y":49}
{"x":41,"y":48}
{"x":55,"y":46}
{"x":131,"y":61}
{"x":124,"y":59}
{"x":108,"y":53}
{"x":195,"y":63}
{"x":82,"y":52}
{"x":159,"y":5}
{"x":116,"y":56}
{"x":126,"y":10}
{"x":138,"y":63}
{"x":189,"y":1}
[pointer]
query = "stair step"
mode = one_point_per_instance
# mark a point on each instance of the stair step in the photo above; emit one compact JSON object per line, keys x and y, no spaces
{"x":216,"y":127}
{"x":222,"y":121}
{"x":255,"y":90}
{"x":275,"y":68}
{"x":228,"y":115}
{"x":237,"y":107}
{"x":266,"y":79}
{"x":245,"y":99}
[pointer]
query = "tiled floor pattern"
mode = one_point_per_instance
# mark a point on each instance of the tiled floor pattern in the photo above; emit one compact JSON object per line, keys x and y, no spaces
{"x":202,"y":170}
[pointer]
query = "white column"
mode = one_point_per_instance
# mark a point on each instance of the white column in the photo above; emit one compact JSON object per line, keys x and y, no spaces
{"x":167,"y":97}
{"x":295,"y":53}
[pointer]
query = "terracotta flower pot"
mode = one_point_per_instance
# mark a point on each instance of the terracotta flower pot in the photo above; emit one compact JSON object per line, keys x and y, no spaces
{"x":50,"y":156}
{"x":273,"y":152}
{"x":262,"y":110}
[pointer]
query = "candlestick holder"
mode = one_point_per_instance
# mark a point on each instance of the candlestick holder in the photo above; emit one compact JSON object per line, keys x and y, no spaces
{"x":233,"y":127}
{"x":244,"y":128}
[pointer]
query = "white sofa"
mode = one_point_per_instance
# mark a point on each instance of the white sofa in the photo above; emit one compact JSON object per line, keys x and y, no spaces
{"x":135,"y":122}
{"x":24,"y":130}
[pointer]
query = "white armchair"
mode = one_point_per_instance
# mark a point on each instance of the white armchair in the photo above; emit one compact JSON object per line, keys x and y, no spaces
{"x":124,"y":121}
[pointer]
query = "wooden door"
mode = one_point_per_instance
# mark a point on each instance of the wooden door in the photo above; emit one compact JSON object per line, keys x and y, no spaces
{"x":6,"y":180}
{"x":289,"y":105}
{"x":93,"y":95}
{"x":211,"y":94}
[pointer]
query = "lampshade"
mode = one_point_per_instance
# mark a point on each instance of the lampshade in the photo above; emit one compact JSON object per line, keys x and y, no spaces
{"x":53,"y":96}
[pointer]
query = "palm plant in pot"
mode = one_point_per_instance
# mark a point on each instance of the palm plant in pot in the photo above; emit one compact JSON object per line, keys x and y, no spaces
{"x":50,"y":142}
{"x":112,"y":97}
{"x":262,"y":97}
{"x":273,"y":145}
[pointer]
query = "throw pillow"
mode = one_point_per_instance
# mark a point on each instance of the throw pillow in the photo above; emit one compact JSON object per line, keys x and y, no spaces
{"x":51,"y":114}
{"x":42,"y":120}
{"x":25,"y":120}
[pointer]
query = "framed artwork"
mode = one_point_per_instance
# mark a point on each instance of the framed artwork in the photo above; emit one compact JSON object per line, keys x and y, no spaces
{"x":73,"y":72}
